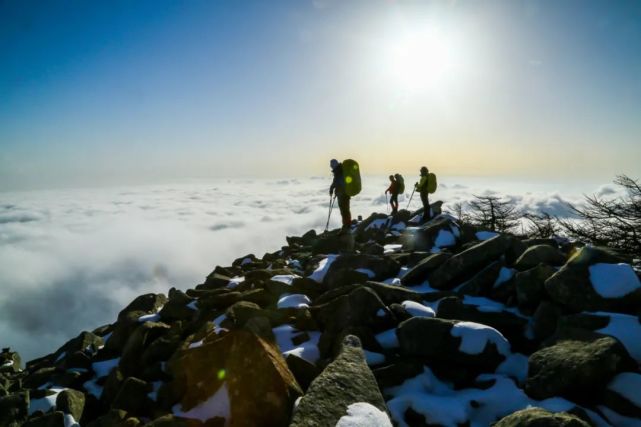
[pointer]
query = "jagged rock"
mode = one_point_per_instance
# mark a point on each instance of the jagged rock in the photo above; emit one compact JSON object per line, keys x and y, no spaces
{"x":371,"y":266}
{"x":372,"y":249}
{"x":9,"y":361}
{"x":112,"y":386}
{"x":483,"y":281}
{"x":545,"y":320}
{"x":444,"y":346}
{"x":177,"y":307}
{"x":258,"y":385}
{"x":14,"y":409}
{"x":466,"y":263}
{"x":508,"y":324}
{"x":537,"y":417}
{"x":216,"y":279}
{"x":71,"y":402}
{"x":358,"y":308}
{"x":391,"y":294}
{"x":346,"y":380}
{"x":132,"y":397}
{"x":331,"y":243}
{"x":147,"y":303}
{"x":306,"y":239}
{"x":138,"y":341}
{"x":621,"y":394}
{"x":571,"y":286}
{"x":39,"y":377}
{"x":115,"y":418}
{"x":578,"y":365}
{"x":422,"y":268}
{"x":397,"y":372}
{"x":539,"y":254}
{"x":440,"y":232}
{"x":530,"y":285}
{"x":304,"y":371}
{"x":53,"y":419}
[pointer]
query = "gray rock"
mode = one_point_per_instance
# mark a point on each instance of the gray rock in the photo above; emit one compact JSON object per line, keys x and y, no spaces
{"x":346,"y":380}
{"x":539,"y":254}
{"x":537,"y":417}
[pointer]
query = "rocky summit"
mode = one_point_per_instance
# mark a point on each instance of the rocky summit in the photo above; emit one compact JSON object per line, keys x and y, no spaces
{"x":397,"y":323}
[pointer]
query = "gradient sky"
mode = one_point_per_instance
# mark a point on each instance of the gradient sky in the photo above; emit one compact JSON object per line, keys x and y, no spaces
{"x":119,"y":92}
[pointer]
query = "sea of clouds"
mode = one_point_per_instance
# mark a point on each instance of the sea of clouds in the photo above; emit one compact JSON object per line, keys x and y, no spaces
{"x":70,"y":260}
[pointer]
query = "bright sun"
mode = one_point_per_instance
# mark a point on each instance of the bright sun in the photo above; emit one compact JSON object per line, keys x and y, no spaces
{"x":423,"y":60}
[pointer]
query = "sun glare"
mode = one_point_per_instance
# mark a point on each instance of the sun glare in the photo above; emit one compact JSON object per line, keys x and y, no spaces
{"x":424,"y":60}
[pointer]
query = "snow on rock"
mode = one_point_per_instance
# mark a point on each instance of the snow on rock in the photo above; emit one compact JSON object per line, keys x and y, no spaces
{"x":217,"y":405}
{"x":367,"y":272}
{"x":70,"y":421}
{"x":417,"y":309}
{"x":444,"y":239}
{"x":373,"y":358}
{"x":235,"y":281}
{"x":613,"y":280}
{"x":377,"y":223}
{"x":217,"y":321}
{"x":504,"y":275}
{"x":363,"y":414}
{"x":475,"y":336}
{"x":46,"y":403}
{"x":307,"y":350}
{"x":391,"y":248}
{"x":193,"y":305}
{"x":485,"y":235}
{"x":294,"y":301}
{"x":149,"y":318}
{"x":393,"y":281}
{"x":627,"y":385}
{"x":323,"y":267}
{"x":617,"y":419}
{"x":514,"y":366}
{"x":627,"y":329}
{"x":388,"y":339}
{"x":285,"y":278}
{"x":103,"y":368}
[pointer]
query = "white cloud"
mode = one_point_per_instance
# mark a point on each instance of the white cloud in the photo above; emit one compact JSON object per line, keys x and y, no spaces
{"x":70,"y":260}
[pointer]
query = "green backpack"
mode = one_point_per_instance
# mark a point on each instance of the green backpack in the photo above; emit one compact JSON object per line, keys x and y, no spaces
{"x":400,"y":183}
{"x":352,"y":176}
{"x":431,"y":183}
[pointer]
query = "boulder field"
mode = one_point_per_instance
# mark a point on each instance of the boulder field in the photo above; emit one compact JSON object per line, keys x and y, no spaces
{"x":394,"y":324}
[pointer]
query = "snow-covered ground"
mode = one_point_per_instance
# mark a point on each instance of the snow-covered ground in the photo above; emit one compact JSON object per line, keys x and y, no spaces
{"x":71,"y":259}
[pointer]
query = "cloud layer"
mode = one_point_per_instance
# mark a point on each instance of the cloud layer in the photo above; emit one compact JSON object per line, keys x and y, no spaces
{"x":70,"y":260}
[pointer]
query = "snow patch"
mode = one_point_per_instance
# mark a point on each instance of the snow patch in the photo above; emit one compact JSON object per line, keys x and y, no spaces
{"x":285,"y":278}
{"x":417,"y":309}
{"x":613,"y":280}
{"x":444,"y":239}
{"x":367,"y":272}
{"x":625,"y":328}
{"x":485,"y":235}
{"x":373,"y":358}
{"x":627,"y":385}
{"x":388,"y":339}
{"x":323,"y":267}
{"x":307,"y":350}
{"x":475,"y":337}
{"x":363,"y":414}
{"x":217,"y":405}
{"x":294,"y":301}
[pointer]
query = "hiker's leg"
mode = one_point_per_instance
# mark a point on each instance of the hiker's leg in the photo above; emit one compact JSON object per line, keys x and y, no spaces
{"x":426,"y":206}
{"x":343,"y":205}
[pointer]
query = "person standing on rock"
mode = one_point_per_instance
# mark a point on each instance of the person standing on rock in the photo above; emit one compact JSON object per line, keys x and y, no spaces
{"x":338,"y":188}
{"x":393,"y":190}
{"x":421,"y":186}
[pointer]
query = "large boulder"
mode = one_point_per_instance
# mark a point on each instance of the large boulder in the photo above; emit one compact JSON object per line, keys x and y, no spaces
{"x":441,"y":232}
{"x":371,"y":266}
{"x":139,"y":340}
{"x":14,"y":409}
{"x":464,"y":264}
{"x":345,"y":381}
{"x":539,"y":254}
{"x":510,"y":325}
{"x":418,"y":273}
{"x":578,"y":365}
{"x":239,"y":375}
{"x":333,"y":243}
{"x":593,"y":280}
{"x":361,"y":307}
{"x":147,"y":303}
{"x":537,"y":417}
{"x":115,"y":418}
{"x":71,"y":402}
{"x":530,"y":285}
{"x":465,"y":343}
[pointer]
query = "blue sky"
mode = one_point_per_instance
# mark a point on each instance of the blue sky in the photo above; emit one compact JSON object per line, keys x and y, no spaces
{"x":154,"y":91}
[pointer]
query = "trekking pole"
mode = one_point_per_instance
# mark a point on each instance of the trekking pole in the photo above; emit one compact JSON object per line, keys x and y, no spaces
{"x":408,"y":203}
{"x":387,"y":203}
{"x":331,"y":206}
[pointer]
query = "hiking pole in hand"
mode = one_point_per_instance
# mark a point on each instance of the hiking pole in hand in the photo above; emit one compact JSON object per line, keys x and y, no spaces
{"x":408,"y":203}
{"x":387,"y":203}
{"x":331,"y":206}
